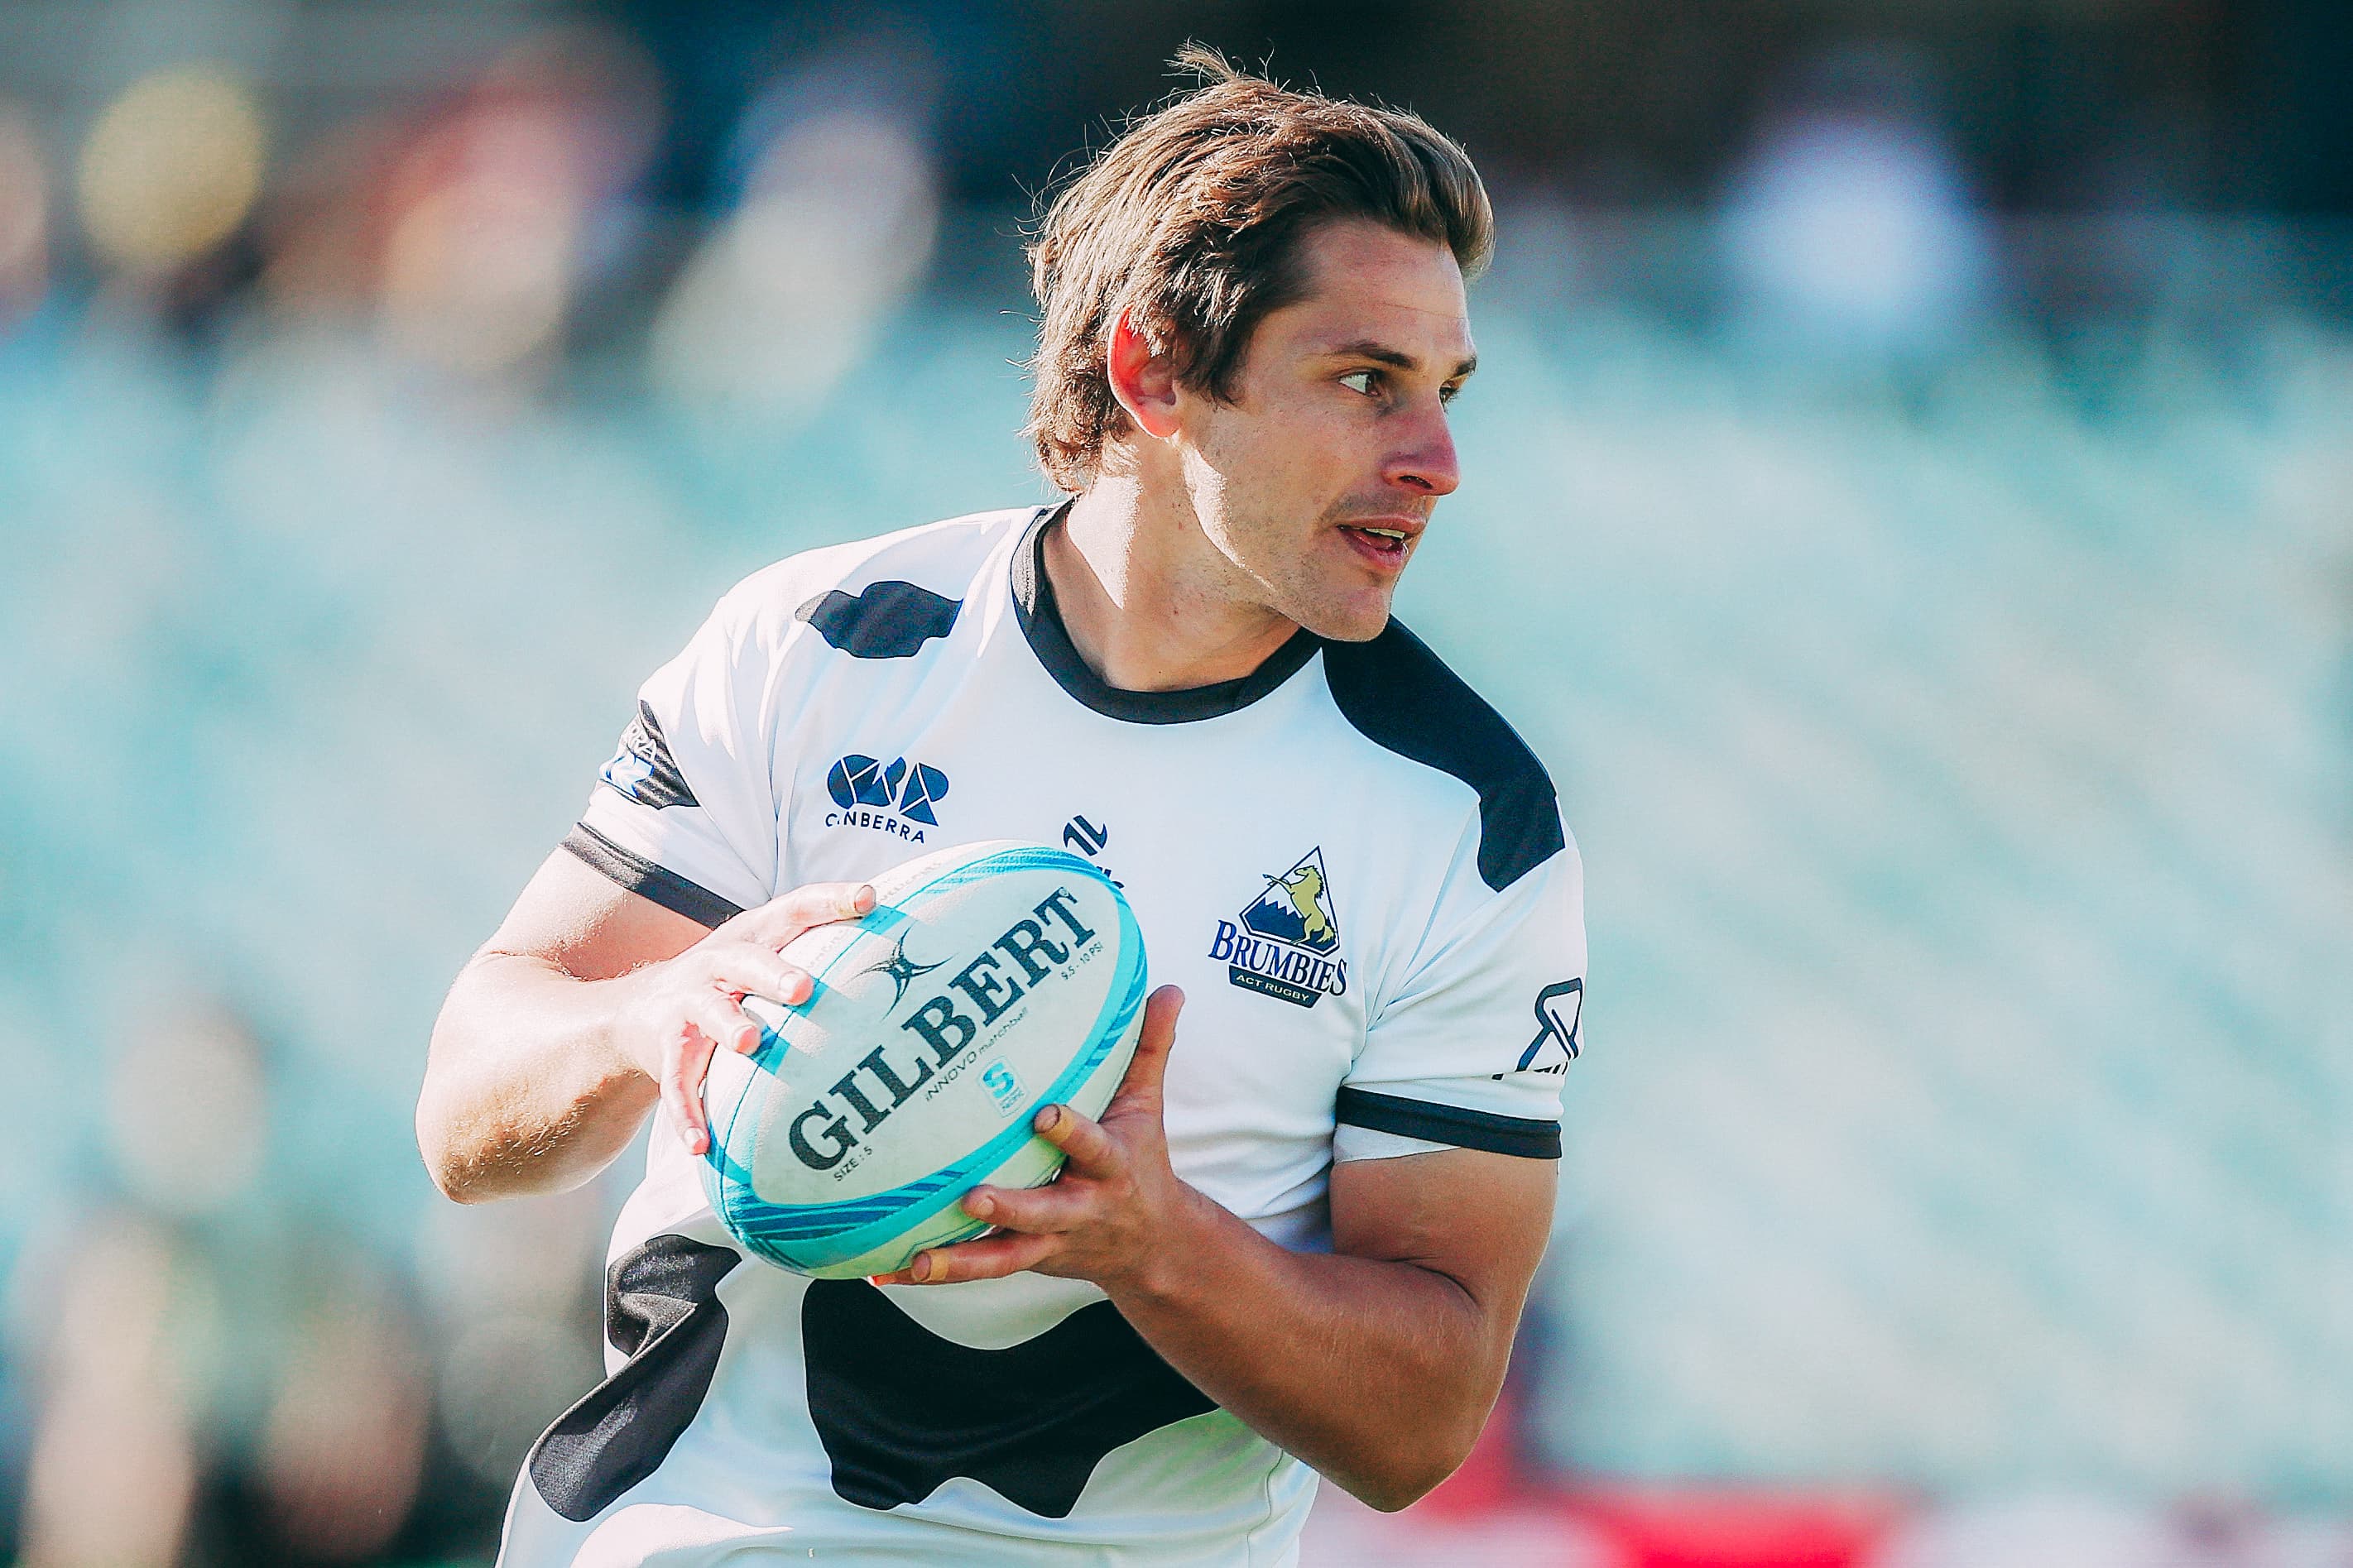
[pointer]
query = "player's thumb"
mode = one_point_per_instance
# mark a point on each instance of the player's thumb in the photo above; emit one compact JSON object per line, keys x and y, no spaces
{"x":1149,"y":1067}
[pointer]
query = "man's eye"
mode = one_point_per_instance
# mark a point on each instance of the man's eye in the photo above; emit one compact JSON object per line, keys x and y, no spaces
{"x":1446,"y":393}
{"x":1369,"y":377}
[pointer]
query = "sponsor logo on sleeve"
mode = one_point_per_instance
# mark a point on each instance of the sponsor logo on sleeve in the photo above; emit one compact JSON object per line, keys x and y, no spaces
{"x":643,"y":768}
{"x":1284,"y":941}
{"x":1560,"y":1014}
{"x":896,"y":797}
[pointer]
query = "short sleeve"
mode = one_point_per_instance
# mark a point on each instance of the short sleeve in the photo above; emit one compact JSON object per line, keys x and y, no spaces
{"x":1469,"y":1049}
{"x":685,"y":814}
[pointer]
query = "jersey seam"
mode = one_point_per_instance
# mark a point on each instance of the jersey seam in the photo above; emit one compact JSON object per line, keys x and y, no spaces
{"x":1266,"y":1490}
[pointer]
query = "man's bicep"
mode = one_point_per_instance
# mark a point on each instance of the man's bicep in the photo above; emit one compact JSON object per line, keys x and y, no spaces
{"x":576,"y":917}
{"x":1480,"y":1219}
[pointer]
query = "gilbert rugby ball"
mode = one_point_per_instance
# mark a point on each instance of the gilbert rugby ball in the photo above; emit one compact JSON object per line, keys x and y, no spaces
{"x":990,"y":979}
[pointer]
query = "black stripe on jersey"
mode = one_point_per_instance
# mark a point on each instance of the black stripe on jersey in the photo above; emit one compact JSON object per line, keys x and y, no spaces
{"x":1403,"y":699}
{"x":646,"y":879}
{"x":1042,"y":623}
{"x":1526,"y":1136}
{"x":662,"y":1310}
{"x":888,"y":619}
{"x":901,"y":1411}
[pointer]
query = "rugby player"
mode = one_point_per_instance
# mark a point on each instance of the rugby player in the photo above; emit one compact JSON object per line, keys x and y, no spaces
{"x":1299,"y":1238}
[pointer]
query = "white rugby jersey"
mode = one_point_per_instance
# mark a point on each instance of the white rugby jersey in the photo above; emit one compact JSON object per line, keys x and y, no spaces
{"x":1353,"y":867}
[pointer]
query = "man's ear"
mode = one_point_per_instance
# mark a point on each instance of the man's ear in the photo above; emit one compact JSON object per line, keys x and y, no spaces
{"x":1141,"y":380}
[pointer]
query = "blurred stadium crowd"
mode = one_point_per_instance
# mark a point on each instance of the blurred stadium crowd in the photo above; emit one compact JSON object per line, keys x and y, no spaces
{"x":1910,"y":505}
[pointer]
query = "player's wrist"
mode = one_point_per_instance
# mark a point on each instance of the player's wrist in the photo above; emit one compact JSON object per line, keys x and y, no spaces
{"x":1181,"y":1252}
{"x":632,"y":1031}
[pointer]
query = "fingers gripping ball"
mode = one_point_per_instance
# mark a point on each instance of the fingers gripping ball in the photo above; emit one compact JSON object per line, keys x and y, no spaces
{"x":989,"y":980}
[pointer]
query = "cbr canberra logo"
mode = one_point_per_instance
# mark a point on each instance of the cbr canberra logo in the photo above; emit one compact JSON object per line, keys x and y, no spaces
{"x":1285,"y":944}
{"x":891,"y":798}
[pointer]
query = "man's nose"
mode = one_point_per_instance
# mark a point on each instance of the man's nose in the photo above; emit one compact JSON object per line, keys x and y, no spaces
{"x":1426,"y":464}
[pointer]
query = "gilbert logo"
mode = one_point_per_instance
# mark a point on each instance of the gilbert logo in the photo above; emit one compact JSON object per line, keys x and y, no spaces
{"x":1287,"y":935}
{"x":951,"y":1027}
{"x":894,"y":797}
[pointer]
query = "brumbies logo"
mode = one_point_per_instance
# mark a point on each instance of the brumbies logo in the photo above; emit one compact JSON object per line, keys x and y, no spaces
{"x":1285,"y":944}
{"x":892,"y":797}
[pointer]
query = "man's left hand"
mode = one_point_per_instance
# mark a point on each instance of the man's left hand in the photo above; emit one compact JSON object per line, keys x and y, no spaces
{"x":1113,"y":1213}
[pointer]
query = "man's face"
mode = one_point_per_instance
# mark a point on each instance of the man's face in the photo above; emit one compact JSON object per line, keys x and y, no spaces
{"x":1316,"y":481}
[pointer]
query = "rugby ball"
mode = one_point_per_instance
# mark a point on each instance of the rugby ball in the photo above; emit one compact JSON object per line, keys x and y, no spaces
{"x":990,"y":979}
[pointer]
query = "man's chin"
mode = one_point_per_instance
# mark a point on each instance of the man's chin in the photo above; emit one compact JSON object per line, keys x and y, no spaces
{"x":1346,"y":620}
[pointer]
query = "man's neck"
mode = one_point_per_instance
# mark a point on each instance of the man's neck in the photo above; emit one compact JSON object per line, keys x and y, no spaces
{"x":1147,"y":600}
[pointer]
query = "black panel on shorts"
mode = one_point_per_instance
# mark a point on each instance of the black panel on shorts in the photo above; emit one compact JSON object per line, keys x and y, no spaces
{"x":1403,"y":699}
{"x":649,"y":879}
{"x":888,"y":619}
{"x":661,"y":1309}
{"x":901,"y":1411}
{"x":1050,"y":639}
{"x":1529,"y":1137}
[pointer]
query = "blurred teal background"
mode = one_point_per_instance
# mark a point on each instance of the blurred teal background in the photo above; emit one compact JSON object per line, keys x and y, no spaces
{"x":1932,"y":596}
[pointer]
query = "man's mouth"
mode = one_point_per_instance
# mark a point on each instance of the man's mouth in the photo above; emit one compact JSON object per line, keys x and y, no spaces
{"x":1384,"y":546}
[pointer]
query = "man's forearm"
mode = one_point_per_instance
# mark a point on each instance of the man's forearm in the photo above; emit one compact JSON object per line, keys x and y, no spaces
{"x":1379,"y":1375}
{"x":526,"y":1089}
{"x":1376,"y":1362}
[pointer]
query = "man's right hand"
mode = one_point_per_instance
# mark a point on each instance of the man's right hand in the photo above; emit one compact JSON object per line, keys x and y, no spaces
{"x":588,"y":1005}
{"x":677,"y":1012}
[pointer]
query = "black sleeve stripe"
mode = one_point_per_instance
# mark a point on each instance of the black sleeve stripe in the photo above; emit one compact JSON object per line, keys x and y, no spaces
{"x":649,"y":880}
{"x":1525,"y":1136}
{"x":1403,"y":699}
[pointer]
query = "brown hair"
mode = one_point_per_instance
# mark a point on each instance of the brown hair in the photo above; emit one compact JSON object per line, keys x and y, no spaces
{"x":1190,"y":225}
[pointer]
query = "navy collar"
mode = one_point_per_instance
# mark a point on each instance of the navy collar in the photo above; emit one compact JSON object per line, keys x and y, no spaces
{"x":1050,"y":639}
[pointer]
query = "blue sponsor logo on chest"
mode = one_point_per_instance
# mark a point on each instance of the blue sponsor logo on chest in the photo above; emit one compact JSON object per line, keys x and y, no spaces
{"x":895,"y":797}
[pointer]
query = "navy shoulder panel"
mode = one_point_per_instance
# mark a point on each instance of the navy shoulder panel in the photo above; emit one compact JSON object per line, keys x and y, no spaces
{"x":1403,"y":699}
{"x":890,"y":620}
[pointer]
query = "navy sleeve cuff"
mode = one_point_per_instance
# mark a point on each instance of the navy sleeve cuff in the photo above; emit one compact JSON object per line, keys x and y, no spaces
{"x":649,"y":880}
{"x":1525,"y":1136}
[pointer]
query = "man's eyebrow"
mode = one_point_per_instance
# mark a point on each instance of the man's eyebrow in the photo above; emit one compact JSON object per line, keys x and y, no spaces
{"x":1366,"y":348}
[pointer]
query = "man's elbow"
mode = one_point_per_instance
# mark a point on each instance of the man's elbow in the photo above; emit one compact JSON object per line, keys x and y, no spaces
{"x":457,"y":1170}
{"x":1413,"y":1470}
{"x":453,"y":1176}
{"x":454,"y":1182}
